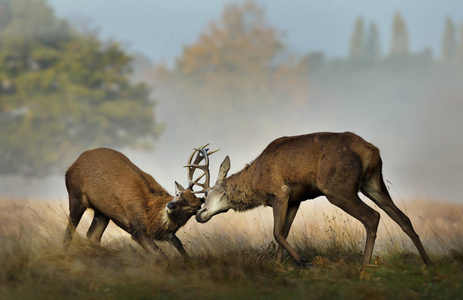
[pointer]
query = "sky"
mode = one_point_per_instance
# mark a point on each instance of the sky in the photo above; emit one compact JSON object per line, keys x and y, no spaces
{"x":159,"y":29}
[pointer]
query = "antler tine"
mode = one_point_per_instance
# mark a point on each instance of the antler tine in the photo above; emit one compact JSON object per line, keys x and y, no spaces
{"x":212,"y":152}
{"x":191,"y":166}
{"x":201,"y":154}
{"x":201,"y":147}
{"x":197,"y":179}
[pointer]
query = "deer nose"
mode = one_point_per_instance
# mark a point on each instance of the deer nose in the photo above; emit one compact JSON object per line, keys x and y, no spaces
{"x":171,"y":205}
{"x":198,"y":215}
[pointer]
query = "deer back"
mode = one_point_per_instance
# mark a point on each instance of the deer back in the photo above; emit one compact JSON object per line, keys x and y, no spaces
{"x":298,"y":159}
{"x":109,"y":182}
{"x":297,"y":162}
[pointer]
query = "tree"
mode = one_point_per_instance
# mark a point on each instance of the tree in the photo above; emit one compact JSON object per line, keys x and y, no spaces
{"x":449,"y":41}
{"x":373,"y":49}
{"x":62,"y":92}
{"x":357,"y":40}
{"x":5,"y":13}
{"x":237,"y":68}
{"x":239,"y":45}
{"x":459,"y":53}
{"x":240,"y":28}
{"x":399,"y":44}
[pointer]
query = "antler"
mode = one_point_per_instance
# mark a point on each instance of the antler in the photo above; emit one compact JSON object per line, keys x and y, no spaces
{"x":201,"y":154}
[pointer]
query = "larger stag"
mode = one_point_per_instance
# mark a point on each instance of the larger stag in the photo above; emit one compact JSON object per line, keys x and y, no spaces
{"x":293,"y":169}
{"x":106,"y":181}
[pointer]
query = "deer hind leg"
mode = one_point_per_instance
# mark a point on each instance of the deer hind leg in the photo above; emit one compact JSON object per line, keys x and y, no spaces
{"x":98,"y":226}
{"x":375,"y":189}
{"x":290,"y":215}
{"x":355,"y":207}
{"x":77,"y":207}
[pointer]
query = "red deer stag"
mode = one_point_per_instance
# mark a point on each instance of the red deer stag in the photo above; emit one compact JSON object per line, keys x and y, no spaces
{"x":293,"y":169}
{"x":106,"y":181}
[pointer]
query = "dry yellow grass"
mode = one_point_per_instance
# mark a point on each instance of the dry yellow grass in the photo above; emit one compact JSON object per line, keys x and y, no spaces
{"x":440,"y":225}
{"x":232,"y":255}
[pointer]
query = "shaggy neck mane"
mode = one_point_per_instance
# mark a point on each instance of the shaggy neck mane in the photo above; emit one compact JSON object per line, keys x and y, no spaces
{"x":240,"y":191}
{"x":160,"y":224}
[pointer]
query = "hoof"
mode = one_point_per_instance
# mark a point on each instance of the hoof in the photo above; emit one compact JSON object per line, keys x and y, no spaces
{"x":304,"y":264}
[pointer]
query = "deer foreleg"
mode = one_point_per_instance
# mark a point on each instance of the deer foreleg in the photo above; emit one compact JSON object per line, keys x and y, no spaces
{"x":290,"y":215}
{"x":280,"y":213}
{"x":173,"y":240}
{"x":149,"y":245}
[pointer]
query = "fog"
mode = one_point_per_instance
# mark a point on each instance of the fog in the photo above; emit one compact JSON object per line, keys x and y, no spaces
{"x":420,"y":141}
{"x":412,"y":113}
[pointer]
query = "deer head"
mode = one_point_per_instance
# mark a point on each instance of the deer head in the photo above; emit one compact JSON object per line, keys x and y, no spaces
{"x":216,"y":199}
{"x":199,"y":155}
{"x":184,"y":203}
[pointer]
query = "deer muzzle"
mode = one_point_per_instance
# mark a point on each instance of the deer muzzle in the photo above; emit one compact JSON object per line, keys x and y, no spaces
{"x":203,"y":215}
{"x":170,"y":207}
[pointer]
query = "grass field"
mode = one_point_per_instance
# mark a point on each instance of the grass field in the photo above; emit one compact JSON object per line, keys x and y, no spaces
{"x":232,"y":257}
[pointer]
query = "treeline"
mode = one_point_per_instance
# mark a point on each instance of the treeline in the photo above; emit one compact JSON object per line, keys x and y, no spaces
{"x":365,"y":50}
{"x":239,"y":77}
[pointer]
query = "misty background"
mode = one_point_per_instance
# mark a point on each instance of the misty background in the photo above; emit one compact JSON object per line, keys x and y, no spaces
{"x":166,"y":76}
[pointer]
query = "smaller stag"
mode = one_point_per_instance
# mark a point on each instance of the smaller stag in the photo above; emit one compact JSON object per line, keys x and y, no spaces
{"x":106,"y":181}
{"x":297,"y":168}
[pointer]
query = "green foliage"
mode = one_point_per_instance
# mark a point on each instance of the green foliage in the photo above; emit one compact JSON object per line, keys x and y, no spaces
{"x":62,"y":92}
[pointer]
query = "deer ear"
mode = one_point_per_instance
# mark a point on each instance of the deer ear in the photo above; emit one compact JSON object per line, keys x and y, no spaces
{"x":224,"y":168}
{"x":178,"y":188}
